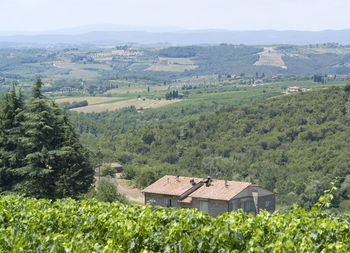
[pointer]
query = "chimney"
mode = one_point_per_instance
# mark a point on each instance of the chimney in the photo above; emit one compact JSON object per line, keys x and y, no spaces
{"x":192,"y":181}
{"x":208,"y":181}
{"x":226,"y":184}
{"x":177,"y":178}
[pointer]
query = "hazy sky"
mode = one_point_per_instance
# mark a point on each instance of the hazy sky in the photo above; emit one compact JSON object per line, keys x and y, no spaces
{"x":41,"y":15}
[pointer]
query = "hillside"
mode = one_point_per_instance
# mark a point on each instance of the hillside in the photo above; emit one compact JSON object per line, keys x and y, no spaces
{"x":104,"y":36}
{"x":294,"y":144}
{"x":97,"y":70}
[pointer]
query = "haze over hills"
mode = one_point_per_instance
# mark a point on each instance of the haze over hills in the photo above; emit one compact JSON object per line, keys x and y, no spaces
{"x":103,"y":35}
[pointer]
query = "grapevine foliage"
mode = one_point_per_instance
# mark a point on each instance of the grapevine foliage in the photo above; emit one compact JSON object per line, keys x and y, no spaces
{"x":66,"y":225}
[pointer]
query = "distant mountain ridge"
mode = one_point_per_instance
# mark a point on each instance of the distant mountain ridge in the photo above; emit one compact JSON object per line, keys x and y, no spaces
{"x":114,"y":34}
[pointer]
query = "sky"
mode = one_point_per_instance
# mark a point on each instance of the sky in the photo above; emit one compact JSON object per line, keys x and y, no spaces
{"x":46,"y":15}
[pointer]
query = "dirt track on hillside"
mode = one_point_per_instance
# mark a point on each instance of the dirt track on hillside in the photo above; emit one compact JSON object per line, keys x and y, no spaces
{"x":133,"y":194}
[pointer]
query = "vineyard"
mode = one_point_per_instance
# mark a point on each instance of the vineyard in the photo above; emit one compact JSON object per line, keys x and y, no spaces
{"x":30,"y":225}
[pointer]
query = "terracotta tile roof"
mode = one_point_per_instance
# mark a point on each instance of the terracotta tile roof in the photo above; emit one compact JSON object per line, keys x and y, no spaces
{"x":218,"y":190}
{"x":116,"y":165}
{"x":170,"y":185}
{"x":187,"y":200}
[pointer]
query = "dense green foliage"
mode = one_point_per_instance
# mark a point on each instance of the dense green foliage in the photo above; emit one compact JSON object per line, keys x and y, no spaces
{"x":40,"y":154}
{"x":172,"y":95}
{"x":75,"y":104}
{"x":30,"y":225}
{"x":105,"y":191}
{"x":292,"y":144}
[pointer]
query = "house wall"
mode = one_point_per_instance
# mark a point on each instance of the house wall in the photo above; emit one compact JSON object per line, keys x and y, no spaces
{"x":244,"y":200}
{"x":246,"y":203}
{"x":215,"y":207}
{"x":161,"y":200}
{"x":267,"y":202}
{"x":248,"y":192}
{"x":119,"y":169}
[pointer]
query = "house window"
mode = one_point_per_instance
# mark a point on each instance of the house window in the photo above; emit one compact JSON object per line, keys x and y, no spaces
{"x":204,"y":206}
{"x":169,"y":203}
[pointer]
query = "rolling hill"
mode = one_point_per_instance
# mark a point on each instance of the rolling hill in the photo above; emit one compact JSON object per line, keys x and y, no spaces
{"x":294,"y":144}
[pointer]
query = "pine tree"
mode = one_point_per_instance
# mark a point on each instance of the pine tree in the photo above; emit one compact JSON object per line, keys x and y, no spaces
{"x":11,"y":153}
{"x":53,"y":163}
{"x":76,"y":173}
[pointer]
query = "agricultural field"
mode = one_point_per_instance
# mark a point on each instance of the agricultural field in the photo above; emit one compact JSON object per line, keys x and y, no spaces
{"x":172,"y":64}
{"x":139,"y":103}
{"x":270,"y":57}
{"x":90,"y":100}
{"x":136,"y":89}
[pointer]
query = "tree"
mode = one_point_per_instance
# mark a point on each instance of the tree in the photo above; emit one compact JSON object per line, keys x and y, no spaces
{"x":107,"y":192}
{"x":53,"y":163}
{"x":318,"y":79}
{"x":347,"y":88}
{"x":11,"y":153}
{"x":107,"y":170}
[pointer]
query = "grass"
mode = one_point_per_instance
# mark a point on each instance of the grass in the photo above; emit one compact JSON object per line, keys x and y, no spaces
{"x":90,"y":100}
{"x":112,"y":106}
{"x":136,"y":89}
{"x":139,"y":67}
{"x":172,"y":64}
{"x":80,"y":73}
{"x":177,"y":60}
{"x":84,"y":66}
{"x":171,"y":67}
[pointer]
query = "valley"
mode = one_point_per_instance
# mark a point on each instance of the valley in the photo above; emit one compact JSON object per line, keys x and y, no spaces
{"x":175,"y":126}
{"x":165,"y":110}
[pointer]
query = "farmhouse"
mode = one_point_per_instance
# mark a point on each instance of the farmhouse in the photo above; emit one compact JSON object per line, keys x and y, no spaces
{"x":293,"y":89}
{"x":342,"y":77}
{"x":118,"y":167}
{"x":209,"y":195}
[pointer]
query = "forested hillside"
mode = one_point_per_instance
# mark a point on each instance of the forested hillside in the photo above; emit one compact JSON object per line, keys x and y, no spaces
{"x":294,"y":145}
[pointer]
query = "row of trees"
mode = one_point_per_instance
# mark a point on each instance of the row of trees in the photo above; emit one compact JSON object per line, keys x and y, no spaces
{"x":40,"y":155}
{"x":172,"y":95}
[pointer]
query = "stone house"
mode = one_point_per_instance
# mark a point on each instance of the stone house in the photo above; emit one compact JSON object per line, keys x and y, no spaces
{"x":118,"y":167}
{"x":293,"y":89}
{"x":211,"y":196}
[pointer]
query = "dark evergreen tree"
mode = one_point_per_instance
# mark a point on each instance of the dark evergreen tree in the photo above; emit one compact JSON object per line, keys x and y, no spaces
{"x":53,"y":164}
{"x":75,"y":174}
{"x":11,"y":153}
